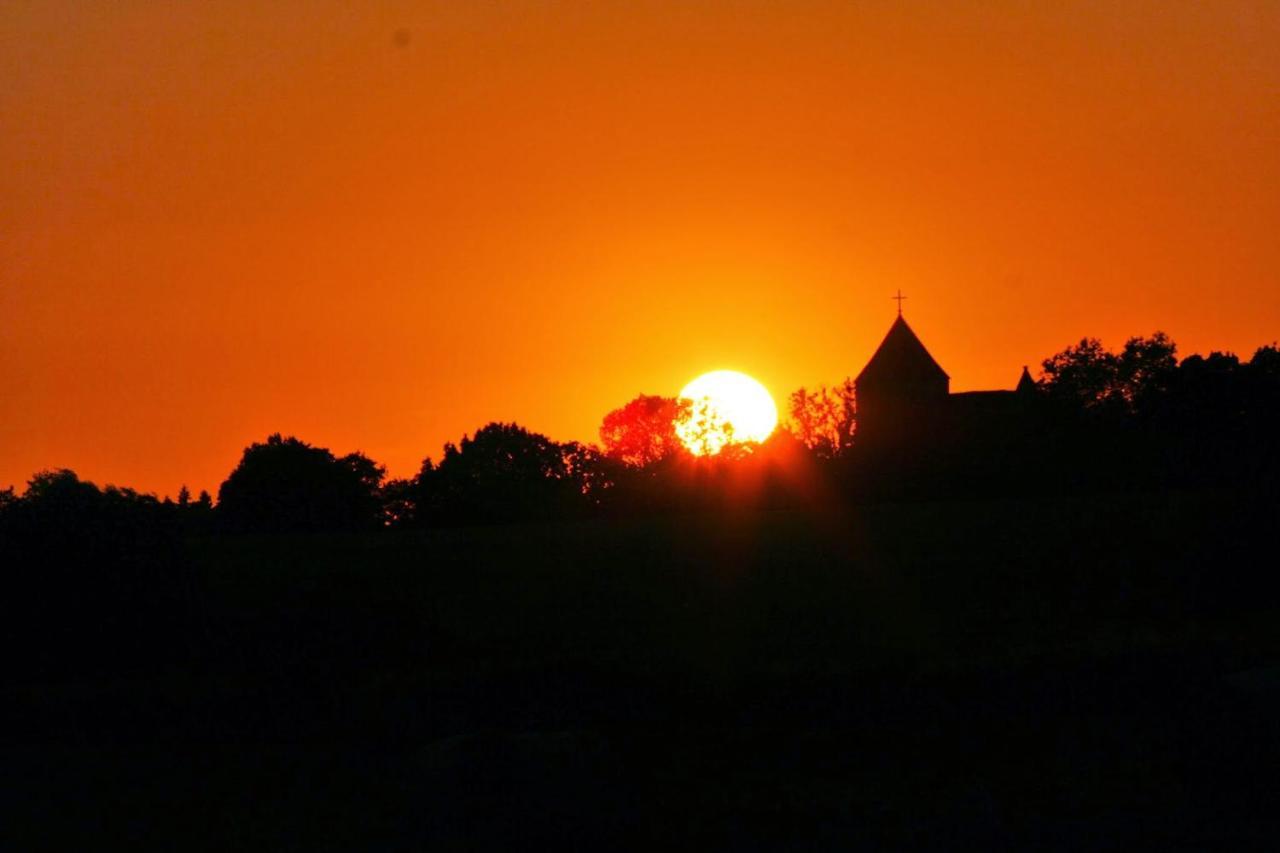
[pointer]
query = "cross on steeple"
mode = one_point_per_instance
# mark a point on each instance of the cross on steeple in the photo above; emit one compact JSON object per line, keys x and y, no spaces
{"x":899,"y":298}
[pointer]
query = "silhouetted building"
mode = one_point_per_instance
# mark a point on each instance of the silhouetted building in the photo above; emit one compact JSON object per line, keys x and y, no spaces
{"x":902,"y":390}
{"x":904,"y":397}
{"x":970,"y":405}
{"x":1026,"y":385}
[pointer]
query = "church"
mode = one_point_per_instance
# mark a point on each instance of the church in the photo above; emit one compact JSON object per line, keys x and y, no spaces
{"x":904,"y":396}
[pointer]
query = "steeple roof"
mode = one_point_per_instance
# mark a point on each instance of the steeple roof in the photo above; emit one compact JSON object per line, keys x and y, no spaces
{"x":1026,"y":385}
{"x":901,"y":358}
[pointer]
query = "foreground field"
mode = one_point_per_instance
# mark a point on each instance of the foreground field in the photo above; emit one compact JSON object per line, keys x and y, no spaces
{"x":1054,"y":674}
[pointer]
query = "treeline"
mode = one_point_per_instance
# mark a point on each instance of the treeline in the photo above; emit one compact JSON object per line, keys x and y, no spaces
{"x":1140,"y":418}
{"x":1097,"y":419}
{"x":107,"y":579}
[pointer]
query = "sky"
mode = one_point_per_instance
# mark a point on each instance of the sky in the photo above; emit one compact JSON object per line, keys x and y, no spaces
{"x":378,"y":226}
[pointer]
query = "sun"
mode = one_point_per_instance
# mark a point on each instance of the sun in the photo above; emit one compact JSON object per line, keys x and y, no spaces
{"x":725,"y":407}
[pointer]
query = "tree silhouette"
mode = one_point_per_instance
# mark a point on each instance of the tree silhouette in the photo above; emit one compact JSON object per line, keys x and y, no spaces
{"x":1084,"y":373}
{"x":593,"y":475}
{"x":1145,"y":369}
{"x":58,"y":500}
{"x":502,"y":473}
{"x":824,"y":420}
{"x":287,"y":485}
{"x":1090,"y":375}
{"x":643,"y":431}
{"x":703,"y":429}
{"x":1263,"y":376}
{"x":399,"y":500}
{"x":1266,"y":362}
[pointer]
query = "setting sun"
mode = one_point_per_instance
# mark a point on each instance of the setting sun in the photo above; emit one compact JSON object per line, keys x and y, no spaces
{"x":726,"y":407}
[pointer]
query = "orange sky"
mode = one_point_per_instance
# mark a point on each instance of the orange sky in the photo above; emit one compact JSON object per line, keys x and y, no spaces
{"x":219,"y":220}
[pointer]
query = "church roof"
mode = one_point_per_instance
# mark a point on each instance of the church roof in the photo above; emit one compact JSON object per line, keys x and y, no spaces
{"x":901,"y":358}
{"x":1026,"y":385}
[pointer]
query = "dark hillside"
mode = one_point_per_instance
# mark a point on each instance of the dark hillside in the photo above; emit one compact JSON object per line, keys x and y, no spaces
{"x":1053,"y":672}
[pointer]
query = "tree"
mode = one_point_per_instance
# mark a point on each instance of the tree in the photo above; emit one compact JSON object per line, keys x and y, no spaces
{"x":1207,"y":389}
{"x":1145,"y":369}
{"x":1266,"y":361}
{"x":643,"y":431}
{"x":399,"y":502}
{"x":1263,"y":372}
{"x":502,"y":473}
{"x":60,"y":504}
{"x":1084,"y":374}
{"x":704,"y":430}
{"x":1095,"y":378}
{"x":824,"y":420}
{"x":592,"y":474}
{"x":59,"y":484}
{"x":288,"y":485}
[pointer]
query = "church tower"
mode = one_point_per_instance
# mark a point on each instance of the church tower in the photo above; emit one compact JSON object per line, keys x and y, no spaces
{"x":902,"y":391}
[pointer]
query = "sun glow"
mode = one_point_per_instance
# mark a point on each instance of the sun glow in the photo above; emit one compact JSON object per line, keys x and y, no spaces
{"x":725,"y":407}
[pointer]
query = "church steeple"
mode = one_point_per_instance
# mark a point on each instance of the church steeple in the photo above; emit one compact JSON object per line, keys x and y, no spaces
{"x":1026,"y":385}
{"x":901,"y":359}
{"x":901,"y":389}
